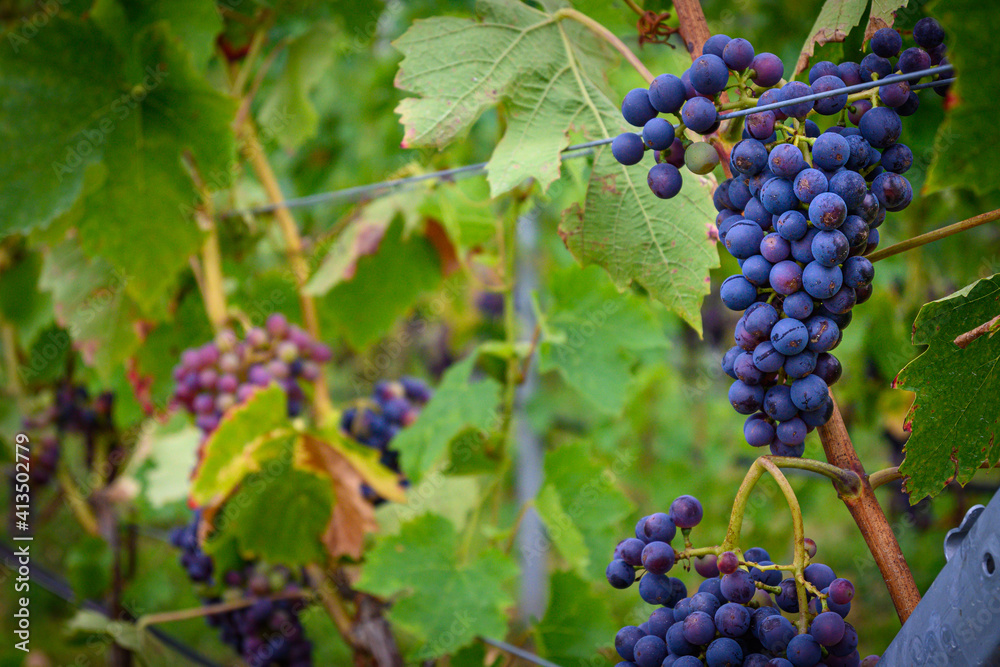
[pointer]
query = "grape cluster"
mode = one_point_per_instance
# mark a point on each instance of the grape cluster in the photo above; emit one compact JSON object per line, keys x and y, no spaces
{"x":393,"y":406}
{"x":225,"y":372}
{"x":735,"y":618}
{"x":72,"y":412}
{"x":267,"y":633}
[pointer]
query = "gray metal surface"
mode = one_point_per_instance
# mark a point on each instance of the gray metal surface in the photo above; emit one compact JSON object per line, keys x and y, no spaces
{"x":957,"y":623}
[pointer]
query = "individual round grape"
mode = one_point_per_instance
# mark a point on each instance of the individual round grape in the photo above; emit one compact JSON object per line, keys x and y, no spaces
{"x":881,"y":127}
{"x":659,"y":622}
{"x":775,"y":632}
{"x":724,"y":652}
{"x":785,"y":278}
{"x":848,"y":644}
{"x":728,"y":562}
{"x":705,"y":602}
{"x":759,"y":318}
{"x":824,"y":334}
{"x":827,"y":211}
{"x":788,"y":599}
{"x":636,"y":108}
{"x":785,"y":160}
{"x":798,"y":305}
{"x":817,"y":418}
{"x":757,"y":431}
{"x":828,"y":369}
{"x":658,"y":134}
{"x":841,"y":320}
{"x":893,"y":191}
{"x":739,"y":194}
{"x":756,"y":182}
{"x":709,"y":74}
{"x":849,"y":73}
{"x":778,"y":403}
{"x":894,"y":95}
{"x":650,"y":651}
{"x":792,"y":225}
{"x":809,"y":393}
{"x":738,"y":293}
{"x":793,"y":90}
{"x":803,"y":651}
{"x":744,"y":339}
{"x":658,"y":557}
{"x":749,"y":157}
{"x":822,"y":68}
{"x":855,"y":230}
{"x":664,"y":180}
{"x":830,"y":247}
{"x":873,"y":238}
{"x":808,"y":184}
{"x":778,"y":196}
{"x":732,"y":620}
{"x":800,"y":365}
{"x":743,"y":239}
{"x":789,"y":337}
{"x":767,"y":359}
{"x":699,"y":628}
{"x":640,"y":531}
{"x":928,"y":33}
{"x":913,"y":60}
{"x":778,"y":448}
{"x":674,"y":155}
{"x":841,"y":591}
{"x":768,"y":69}
{"x":774,"y":248}
{"x":630,"y":551}
{"x":701,"y":158}
{"x":874,"y":66}
{"x":841,"y":302}
{"x":760,"y":125}
{"x":678,"y":645}
{"x":755,"y":211}
{"x":620,"y":574}
{"x":738,"y":587}
{"x":819,"y":575}
{"x":716,"y":44}
{"x":897,"y":158}
{"x":666,"y":93}
{"x":757,"y":270}
{"x":792,"y":432}
{"x":857,"y":110}
{"x":821,"y":282}
{"x":655,"y":589}
{"x":828,"y":628}
{"x":727,"y":361}
{"x":828,"y":106}
{"x":738,"y":54}
{"x":686,"y":511}
{"x":626,"y":639}
{"x":769,"y":97}
{"x":707,"y":566}
{"x":849,"y":186}
{"x":628,"y":148}
{"x":830,"y":151}
{"x":886,"y":42}
{"x":659,"y":527}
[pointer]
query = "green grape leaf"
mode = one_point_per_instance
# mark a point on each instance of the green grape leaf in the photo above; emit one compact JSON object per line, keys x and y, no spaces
{"x":590,"y":334}
{"x":590,"y":504}
{"x":443,"y":603}
{"x":458,"y":405}
{"x":968,"y":138}
{"x":548,"y":72}
{"x":318,"y":450}
{"x":196,"y":23}
{"x":309,"y":56}
{"x":667,"y":247}
{"x":882,"y":15}
{"x":834,"y":23}
{"x":290,"y":512}
{"x":563,"y":534}
{"x":21,"y":302}
{"x":393,"y":278}
{"x":953,"y":419}
{"x":247,"y":434}
{"x":172,"y":454}
{"x":578,"y":623}
{"x":55,"y":101}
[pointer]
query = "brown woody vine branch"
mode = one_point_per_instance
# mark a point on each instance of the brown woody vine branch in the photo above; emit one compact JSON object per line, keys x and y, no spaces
{"x":693,"y":27}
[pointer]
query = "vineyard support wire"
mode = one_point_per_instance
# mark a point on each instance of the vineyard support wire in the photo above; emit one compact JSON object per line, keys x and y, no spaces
{"x":361,"y":192}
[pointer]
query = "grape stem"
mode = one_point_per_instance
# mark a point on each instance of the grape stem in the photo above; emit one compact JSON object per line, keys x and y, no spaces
{"x":884,"y":476}
{"x":608,"y":36}
{"x":634,"y":7}
{"x":210,"y":609}
{"x":936,"y":235}
{"x":846,"y":482}
{"x":210,"y":276}
{"x":870,"y":518}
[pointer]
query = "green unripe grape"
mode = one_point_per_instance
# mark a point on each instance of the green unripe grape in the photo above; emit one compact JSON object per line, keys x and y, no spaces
{"x":701,"y":157}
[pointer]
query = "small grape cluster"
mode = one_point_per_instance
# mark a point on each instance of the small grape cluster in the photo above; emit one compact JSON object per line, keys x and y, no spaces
{"x":267,"y":633}
{"x":733,"y":65}
{"x":393,"y":406}
{"x":225,"y":372}
{"x":736,"y":617}
{"x":72,"y":412}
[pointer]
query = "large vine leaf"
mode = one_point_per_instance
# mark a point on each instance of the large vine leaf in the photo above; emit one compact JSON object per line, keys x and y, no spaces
{"x":953,"y":419}
{"x":835,"y":21}
{"x":667,"y":247}
{"x":882,"y":15}
{"x":968,"y":138}
{"x":443,"y":602}
{"x":577,"y":624}
{"x":544,"y":68}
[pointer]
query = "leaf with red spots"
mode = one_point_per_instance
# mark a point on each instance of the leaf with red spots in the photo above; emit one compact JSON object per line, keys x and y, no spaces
{"x":954,"y":416}
{"x":834,"y":23}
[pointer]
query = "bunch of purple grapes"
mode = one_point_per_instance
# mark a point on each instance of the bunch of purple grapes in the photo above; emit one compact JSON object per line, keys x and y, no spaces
{"x":218,"y":375}
{"x":393,"y":406}
{"x":694,"y":99}
{"x":736,"y":617}
{"x":267,"y":633}
{"x":72,"y":412}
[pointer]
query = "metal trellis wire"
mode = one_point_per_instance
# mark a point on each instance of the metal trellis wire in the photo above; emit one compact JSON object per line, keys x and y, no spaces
{"x":361,"y":192}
